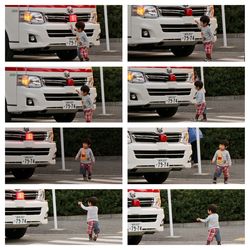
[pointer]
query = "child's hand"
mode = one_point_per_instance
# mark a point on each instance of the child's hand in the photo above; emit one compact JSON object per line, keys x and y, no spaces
{"x":79,"y":203}
{"x":198,"y":219}
{"x":197,"y":22}
{"x":212,"y":162}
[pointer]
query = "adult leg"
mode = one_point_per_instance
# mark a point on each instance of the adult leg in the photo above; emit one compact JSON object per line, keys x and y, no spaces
{"x":194,"y":152}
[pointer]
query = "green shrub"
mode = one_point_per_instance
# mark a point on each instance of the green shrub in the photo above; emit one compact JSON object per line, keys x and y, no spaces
{"x":114,"y":20}
{"x":109,"y":201}
{"x":112,"y":83}
{"x":224,"y":81}
{"x":235,"y":18}
{"x":212,"y":137}
{"x":105,"y":141}
{"x":187,"y":205}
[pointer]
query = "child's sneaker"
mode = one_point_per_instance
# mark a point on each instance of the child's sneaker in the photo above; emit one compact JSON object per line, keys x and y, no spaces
{"x":225,"y":182}
{"x":87,"y":59}
{"x":85,"y":179}
{"x":90,"y":237}
{"x":89,"y":178}
{"x":95,"y":237}
{"x":214,"y":182}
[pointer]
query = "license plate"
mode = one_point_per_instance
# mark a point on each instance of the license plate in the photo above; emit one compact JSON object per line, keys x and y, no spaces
{"x":69,"y":105}
{"x":20,"y":219}
{"x":172,"y":100}
{"x":162,"y":164}
{"x":187,"y":37}
{"x":28,"y":160}
{"x":71,"y":41}
{"x":135,"y":228}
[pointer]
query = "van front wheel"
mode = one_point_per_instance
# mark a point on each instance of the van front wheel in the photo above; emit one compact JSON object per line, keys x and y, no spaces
{"x":183,"y":51}
{"x":134,"y":240}
{"x":65,"y":117}
{"x":15,"y":233}
{"x":156,"y":178}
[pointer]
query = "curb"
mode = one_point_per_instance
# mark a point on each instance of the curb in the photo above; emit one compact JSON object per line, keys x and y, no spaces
{"x":232,"y":35}
{"x":225,"y":98}
{"x":80,"y":217}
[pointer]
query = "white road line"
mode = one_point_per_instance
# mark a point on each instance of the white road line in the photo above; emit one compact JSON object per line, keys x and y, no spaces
{"x":221,"y":120}
{"x":99,"y":239}
{"x":71,"y":242}
{"x":232,"y":117}
{"x":229,"y":59}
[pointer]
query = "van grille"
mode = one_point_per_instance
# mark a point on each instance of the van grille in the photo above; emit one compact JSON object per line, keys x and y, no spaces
{"x":62,"y":97}
{"x":180,"y":28}
{"x":144,"y":202}
{"x":142,"y":218}
{"x":163,"y":77}
{"x":26,"y":151}
{"x":23,"y":211}
{"x":153,"y":154}
{"x":64,"y":17}
{"x":67,"y":33}
{"x":172,"y":91}
{"x":154,"y":137}
{"x":62,"y":82}
{"x":28,"y":194}
{"x":20,"y":135}
{"x":170,"y":11}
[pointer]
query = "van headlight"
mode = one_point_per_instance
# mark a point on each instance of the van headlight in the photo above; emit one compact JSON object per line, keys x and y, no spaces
{"x":93,"y":17}
{"x":40,"y":195}
{"x":31,"y":17}
{"x":129,"y":138}
{"x":157,"y":202}
{"x":185,"y":138}
{"x":136,"y":77}
{"x":146,"y":11}
{"x":29,"y":81}
{"x":210,"y":11}
{"x":50,"y":136}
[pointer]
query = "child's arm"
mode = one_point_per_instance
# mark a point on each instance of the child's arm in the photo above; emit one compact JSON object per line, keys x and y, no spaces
{"x":229,"y":161}
{"x":84,"y":39}
{"x":214,"y":158}
{"x":82,"y":206}
{"x":72,"y":29}
{"x":92,"y":156}
{"x":78,"y":154}
{"x":198,"y":24}
{"x":203,"y":220}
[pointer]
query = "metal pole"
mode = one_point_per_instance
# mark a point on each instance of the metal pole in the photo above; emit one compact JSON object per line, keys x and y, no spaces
{"x":170,"y":214}
{"x":102,"y":91}
{"x":198,"y":150}
{"x":62,"y":148}
{"x":223,"y":16}
{"x":202,"y":76}
{"x":106,"y":27}
{"x":54,"y":209}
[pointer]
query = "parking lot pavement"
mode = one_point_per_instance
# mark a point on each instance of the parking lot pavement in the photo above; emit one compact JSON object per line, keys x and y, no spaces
{"x":219,"y":109}
{"x":234,"y":53}
{"x":113,"y":114}
{"x":96,"y":53}
{"x":191,"y":176}
{"x":107,"y":170}
{"x":72,"y":231}
{"x":196,"y":234}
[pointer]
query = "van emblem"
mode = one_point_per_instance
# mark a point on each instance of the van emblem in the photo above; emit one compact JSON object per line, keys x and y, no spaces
{"x":159,"y":130}
{"x":66,"y":74}
{"x":132,"y":194}
{"x":70,"y":10}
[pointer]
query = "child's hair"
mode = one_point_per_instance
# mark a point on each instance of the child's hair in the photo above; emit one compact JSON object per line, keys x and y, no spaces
{"x":212,"y":208}
{"x":198,"y":84}
{"x":92,"y":200}
{"x":87,"y":141}
{"x":205,"y":19}
{"x":80,"y":25}
{"x":224,"y":142}
{"x":85,"y":89}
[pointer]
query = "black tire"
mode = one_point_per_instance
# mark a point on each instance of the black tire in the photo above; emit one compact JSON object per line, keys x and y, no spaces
{"x":183,"y":51}
{"x":23,"y":173}
{"x":156,"y":178}
{"x":167,"y":112}
{"x":65,"y":117}
{"x":9,"y":54}
{"x":67,"y":55}
{"x":134,"y":240}
{"x":7,"y":114}
{"x":15,"y":233}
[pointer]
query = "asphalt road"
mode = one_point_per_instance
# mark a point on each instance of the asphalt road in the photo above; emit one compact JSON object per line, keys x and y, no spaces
{"x":196,"y":234}
{"x":107,"y":170}
{"x":234,"y":53}
{"x":96,"y":53}
{"x":191,"y":176}
{"x":226,"y":109}
{"x":113,"y":114}
{"x":72,"y":231}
